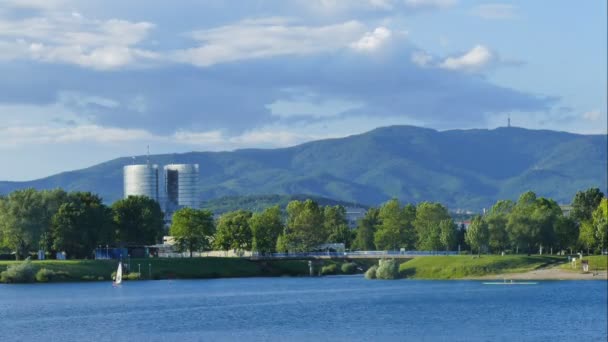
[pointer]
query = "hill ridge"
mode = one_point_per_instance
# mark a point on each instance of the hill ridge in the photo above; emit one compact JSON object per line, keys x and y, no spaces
{"x":467,"y":169}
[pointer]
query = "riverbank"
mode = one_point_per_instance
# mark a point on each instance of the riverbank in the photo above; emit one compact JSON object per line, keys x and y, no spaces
{"x":469,"y":267}
{"x":181,"y":268}
{"x":555,"y":273}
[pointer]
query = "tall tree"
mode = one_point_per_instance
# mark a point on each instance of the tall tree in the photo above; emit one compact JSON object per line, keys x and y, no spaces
{"x":428,"y":217}
{"x":234,"y":232}
{"x":23,"y":220}
{"x":545,"y":215}
{"x":584,"y":203}
{"x":566,"y":233}
{"x":497,"y":219}
{"x":336,"y":225}
{"x":266,"y":228}
{"x":366,"y":227}
{"x":521,"y":228}
{"x":447,"y":233}
{"x":138,"y":220}
{"x":81,"y":224}
{"x":192,"y":229}
{"x":600,"y":224}
{"x":477,"y":234}
{"x":587,"y":235}
{"x":395,"y":229}
{"x":304,"y":230}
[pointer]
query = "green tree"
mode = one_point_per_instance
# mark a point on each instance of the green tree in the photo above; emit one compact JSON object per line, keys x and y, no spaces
{"x":587,"y":236}
{"x":395,"y":229}
{"x":477,"y":235}
{"x":25,"y":217}
{"x":336,"y":225}
{"x":428,"y":217}
{"x":600,"y":224}
{"x":81,"y":224}
{"x":234,"y":232}
{"x":138,"y":220}
{"x":545,"y":215}
{"x":366,"y":227}
{"x":497,"y":219}
{"x":192,"y":229}
{"x":584,"y":203}
{"x":266,"y":228}
{"x":304,"y":230}
{"x":566,"y":233}
{"x":521,"y":228}
{"x":447,"y":233}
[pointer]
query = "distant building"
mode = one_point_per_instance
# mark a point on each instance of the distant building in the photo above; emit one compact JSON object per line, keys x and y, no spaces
{"x":566,"y":209}
{"x":141,"y":180}
{"x":181,"y":186}
{"x":354,"y":214}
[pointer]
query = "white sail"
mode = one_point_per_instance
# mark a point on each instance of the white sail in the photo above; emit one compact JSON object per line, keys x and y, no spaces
{"x":118,"y":274}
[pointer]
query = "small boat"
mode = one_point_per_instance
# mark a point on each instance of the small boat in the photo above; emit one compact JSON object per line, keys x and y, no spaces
{"x":118,"y":279}
{"x":510,"y":282}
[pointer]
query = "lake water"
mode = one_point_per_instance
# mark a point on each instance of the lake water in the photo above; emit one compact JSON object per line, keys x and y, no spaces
{"x":304,"y":309}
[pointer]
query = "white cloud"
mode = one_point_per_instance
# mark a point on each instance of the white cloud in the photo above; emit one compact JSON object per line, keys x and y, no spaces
{"x":439,"y":4}
{"x":495,"y":11}
{"x":311,"y":108}
{"x":266,"y":38}
{"x":372,"y":40}
{"x":593,"y":115}
{"x":33,"y":4}
{"x":475,"y":59}
{"x":74,"y":39}
{"x":421,"y":58}
{"x":15,"y":136}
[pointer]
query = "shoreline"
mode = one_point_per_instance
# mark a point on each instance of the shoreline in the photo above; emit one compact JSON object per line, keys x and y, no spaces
{"x":546,"y":274}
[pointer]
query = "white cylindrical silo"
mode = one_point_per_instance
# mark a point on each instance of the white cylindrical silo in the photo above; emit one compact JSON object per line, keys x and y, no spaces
{"x":141,"y":180}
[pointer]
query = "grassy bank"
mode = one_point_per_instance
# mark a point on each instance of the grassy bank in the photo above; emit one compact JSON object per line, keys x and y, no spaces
{"x":182,"y":268}
{"x":596,"y":263}
{"x":466,"y":266}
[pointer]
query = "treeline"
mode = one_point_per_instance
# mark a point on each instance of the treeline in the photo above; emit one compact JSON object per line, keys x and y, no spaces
{"x":537,"y":224}
{"x":301,"y":228}
{"x":75,"y":222}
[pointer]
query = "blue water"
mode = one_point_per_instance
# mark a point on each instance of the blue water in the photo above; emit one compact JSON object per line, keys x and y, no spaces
{"x":304,"y":309}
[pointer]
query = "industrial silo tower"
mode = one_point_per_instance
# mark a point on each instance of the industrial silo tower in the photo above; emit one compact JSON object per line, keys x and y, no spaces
{"x":181,"y":186}
{"x":141,"y":180}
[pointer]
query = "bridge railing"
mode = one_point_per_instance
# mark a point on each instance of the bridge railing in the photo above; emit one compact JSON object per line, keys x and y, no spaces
{"x":375,"y":254}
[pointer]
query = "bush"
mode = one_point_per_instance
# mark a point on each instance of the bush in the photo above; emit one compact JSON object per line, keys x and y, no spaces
{"x":349,"y":268}
{"x":133,"y":276}
{"x":388,"y":269}
{"x":19,"y":273}
{"x":45,"y":275}
{"x":329,"y":269}
{"x":371,"y":272}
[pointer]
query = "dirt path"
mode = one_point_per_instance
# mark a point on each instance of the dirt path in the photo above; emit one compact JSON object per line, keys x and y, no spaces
{"x":549,"y":274}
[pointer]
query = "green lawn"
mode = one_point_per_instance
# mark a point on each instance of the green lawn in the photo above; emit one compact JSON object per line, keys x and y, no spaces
{"x":182,"y":268}
{"x":596,"y":263}
{"x":463,"y":266}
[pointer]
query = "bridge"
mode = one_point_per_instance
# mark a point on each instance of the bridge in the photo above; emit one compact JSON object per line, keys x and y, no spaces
{"x":351,"y":255}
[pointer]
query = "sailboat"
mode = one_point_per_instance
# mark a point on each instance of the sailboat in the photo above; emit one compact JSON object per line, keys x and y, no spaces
{"x":118,"y":279}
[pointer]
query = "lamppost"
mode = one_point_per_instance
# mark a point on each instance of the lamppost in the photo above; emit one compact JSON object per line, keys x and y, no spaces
{"x":107,"y":252}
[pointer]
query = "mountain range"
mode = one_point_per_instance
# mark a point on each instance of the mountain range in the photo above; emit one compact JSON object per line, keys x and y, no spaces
{"x":468,"y":169}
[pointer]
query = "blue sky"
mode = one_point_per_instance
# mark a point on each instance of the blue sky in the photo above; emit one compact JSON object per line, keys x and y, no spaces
{"x":86,"y":81}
